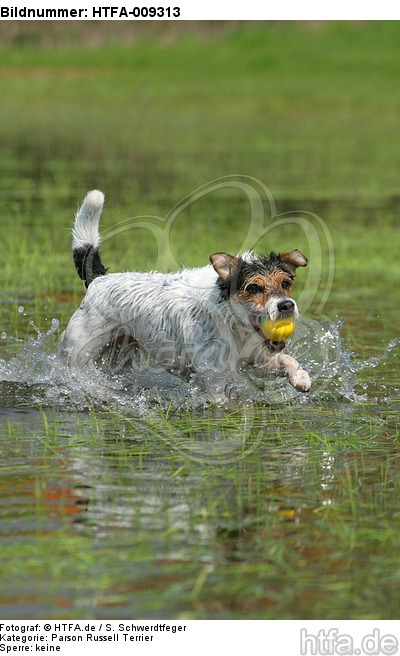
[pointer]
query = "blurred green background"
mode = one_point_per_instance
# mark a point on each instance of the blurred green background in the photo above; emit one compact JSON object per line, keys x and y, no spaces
{"x":149,"y":112}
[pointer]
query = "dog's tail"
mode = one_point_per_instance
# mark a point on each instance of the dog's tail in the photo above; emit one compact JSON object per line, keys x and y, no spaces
{"x":86,"y":238}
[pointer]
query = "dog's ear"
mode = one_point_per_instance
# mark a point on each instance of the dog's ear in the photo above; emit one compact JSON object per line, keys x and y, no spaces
{"x":294,"y":259}
{"x":224,"y":264}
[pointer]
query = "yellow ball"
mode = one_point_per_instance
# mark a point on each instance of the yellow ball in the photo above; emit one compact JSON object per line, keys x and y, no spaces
{"x":279,"y":330}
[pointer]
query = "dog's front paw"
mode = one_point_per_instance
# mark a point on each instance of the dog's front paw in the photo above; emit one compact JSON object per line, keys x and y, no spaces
{"x":300,"y":380}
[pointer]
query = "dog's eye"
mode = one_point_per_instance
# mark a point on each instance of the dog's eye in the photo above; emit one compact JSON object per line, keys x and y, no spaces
{"x":286,"y":284}
{"x":253,"y":289}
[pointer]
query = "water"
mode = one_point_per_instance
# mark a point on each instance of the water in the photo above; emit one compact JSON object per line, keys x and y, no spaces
{"x":140,"y":494}
{"x":147,"y":496}
{"x":141,"y":490}
{"x":319,"y":347}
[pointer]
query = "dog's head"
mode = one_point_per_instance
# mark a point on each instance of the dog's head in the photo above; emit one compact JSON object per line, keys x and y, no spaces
{"x":259,"y":285}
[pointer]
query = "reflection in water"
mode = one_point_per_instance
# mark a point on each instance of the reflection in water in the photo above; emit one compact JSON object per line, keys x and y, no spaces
{"x":118,"y":521}
{"x":173,"y":499}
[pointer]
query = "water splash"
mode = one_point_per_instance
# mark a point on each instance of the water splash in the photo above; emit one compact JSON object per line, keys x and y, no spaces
{"x":335,"y":370}
{"x":35,"y":376}
{"x":32,"y":363}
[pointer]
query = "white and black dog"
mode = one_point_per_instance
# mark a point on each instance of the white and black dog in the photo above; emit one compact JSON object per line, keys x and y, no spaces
{"x":205,"y":319}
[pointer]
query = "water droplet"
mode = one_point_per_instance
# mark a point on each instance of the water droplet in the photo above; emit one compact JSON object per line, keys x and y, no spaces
{"x":31,"y":323}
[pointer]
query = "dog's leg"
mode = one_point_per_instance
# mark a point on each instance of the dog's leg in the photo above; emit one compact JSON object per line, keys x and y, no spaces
{"x":285,"y":365}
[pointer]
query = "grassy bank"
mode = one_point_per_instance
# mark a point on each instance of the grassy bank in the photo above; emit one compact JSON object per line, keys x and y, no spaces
{"x":311,"y":112}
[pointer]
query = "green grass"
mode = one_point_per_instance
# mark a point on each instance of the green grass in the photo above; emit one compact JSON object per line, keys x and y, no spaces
{"x":256,"y":512}
{"x":309,"y":112}
{"x":189,"y":538}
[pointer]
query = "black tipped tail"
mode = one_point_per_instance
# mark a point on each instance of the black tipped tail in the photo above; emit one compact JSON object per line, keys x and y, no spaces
{"x":86,"y":239}
{"x":88,"y":263}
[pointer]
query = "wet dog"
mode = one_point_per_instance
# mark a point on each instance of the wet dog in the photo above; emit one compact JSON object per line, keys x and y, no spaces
{"x":205,"y":319}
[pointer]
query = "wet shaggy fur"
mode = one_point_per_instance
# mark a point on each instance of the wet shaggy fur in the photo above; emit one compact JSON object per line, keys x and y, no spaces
{"x":205,"y":320}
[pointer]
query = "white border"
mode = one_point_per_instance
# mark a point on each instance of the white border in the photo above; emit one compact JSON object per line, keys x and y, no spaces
{"x":222,"y":10}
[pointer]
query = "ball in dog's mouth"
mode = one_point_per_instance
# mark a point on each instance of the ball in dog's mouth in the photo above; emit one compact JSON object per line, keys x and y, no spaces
{"x":278,"y":330}
{"x":275,"y":333}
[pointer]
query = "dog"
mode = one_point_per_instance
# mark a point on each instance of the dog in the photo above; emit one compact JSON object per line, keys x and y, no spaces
{"x":196,"y":320}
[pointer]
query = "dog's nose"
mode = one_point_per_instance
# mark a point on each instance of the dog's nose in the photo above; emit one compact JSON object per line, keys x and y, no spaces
{"x":286,"y":306}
